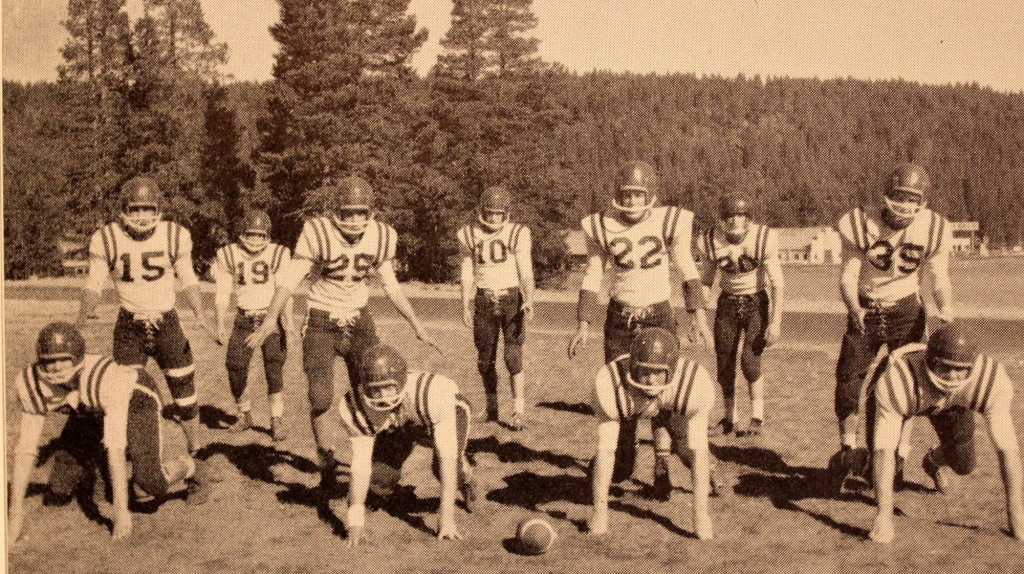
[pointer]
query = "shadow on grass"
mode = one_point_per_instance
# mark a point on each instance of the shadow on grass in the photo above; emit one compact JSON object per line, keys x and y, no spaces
{"x":515,"y":452}
{"x":530,"y":491}
{"x":579,"y":408}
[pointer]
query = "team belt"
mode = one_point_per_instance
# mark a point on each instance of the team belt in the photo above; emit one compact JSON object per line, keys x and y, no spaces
{"x":495,"y":296}
{"x":341,"y":321}
{"x":252,"y":317}
{"x":877,"y":305}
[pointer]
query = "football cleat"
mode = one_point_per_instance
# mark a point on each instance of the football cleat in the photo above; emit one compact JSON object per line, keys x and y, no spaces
{"x":469,"y":493}
{"x":846,"y":470}
{"x":723,"y":427}
{"x":59,"y":344}
{"x":277,"y":429}
{"x":936,"y":472}
{"x":517,"y":422}
{"x":661,"y":488}
{"x":141,"y":205}
{"x":243,"y":423}
{"x":754,"y":429}
{"x":719,"y":487}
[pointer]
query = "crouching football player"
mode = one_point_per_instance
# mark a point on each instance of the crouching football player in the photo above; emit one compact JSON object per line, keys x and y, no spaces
{"x":119,"y":402}
{"x":651,"y":380}
{"x":389,"y":409}
{"x":947,"y":380}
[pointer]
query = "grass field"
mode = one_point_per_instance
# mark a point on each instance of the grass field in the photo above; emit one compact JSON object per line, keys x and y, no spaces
{"x":263,"y":517}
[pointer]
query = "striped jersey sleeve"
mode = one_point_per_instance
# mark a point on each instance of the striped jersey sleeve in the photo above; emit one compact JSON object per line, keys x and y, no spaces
{"x":30,"y":395}
{"x":435,"y":397}
{"x":594,"y":228}
{"x":689,"y":392}
{"x":940,"y":235}
{"x":853,"y":228}
{"x":280,"y":255}
{"x":312,"y":242}
{"x":387,"y":243}
{"x":675,"y":225}
{"x":612,"y":401}
{"x":103,"y":247}
{"x":225,"y":259}
{"x":520,"y":239}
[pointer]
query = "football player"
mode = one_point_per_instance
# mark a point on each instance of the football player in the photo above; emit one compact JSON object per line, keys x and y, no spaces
{"x":340,"y":250}
{"x":497,"y":294}
{"x":388,"y":410}
{"x":119,"y":403}
{"x":636,"y":241}
{"x":250,"y":268}
{"x":882,"y":262}
{"x":947,"y":380}
{"x":651,"y":379}
{"x":143,"y":255}
{"x":745,"y":255}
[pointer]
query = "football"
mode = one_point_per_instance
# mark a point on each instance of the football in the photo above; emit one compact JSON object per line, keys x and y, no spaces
{"x":535,"y":536}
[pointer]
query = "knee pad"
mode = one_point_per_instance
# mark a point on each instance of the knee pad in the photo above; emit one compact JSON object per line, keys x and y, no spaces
{"x":514,"y":358}
{"x":181,"y":382}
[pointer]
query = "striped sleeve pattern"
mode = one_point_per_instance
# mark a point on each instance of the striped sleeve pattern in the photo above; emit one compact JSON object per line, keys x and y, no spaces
{"x":313,"y":241}
{"x":356,"y":415}
{"x":91,"y":379}
{"x":104,"y":245}
{"x":178,"y":241}
{"x":669,"y":227}
{"x":853,"y":227}
{"x":594,"y":226}
{"x":465,"y":236}
{"x":281,"y":253}
{"x":624,"y":404}
{"x":29,"y":393}
{"x":982,"y":394}
{"x":686,"y":371}
{"x":761,"y":242}
{"x":516,"y":235}
{"x":898,"y":387}
{"x":423,"y":384}
{"x":937,"y":235}
{"x":226,"y":258}
{"x":387,"y":238}
{"x":708,"y":242}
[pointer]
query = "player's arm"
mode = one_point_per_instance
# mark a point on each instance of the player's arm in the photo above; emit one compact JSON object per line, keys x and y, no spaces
{"x":293,"y":272}
{"x":190,"y":283}
{"x":31,"y":428}
{"x":524,"y":264}
{"x":118,"y":464}
{"x":888,"y":425}
{"x":468,"y":288}
{"x":775,"y":285}
{"x":601,"y":475}
{"x":359,"y":484}
{"x":587,"y":310}
{"x":697,"y":444}
{"x":393,"y":290}
{"x":693,"y":283}
{"x":99,"y":270}
{"x":223,"y":281}
{"x":446,"y":446}
{"x":849,"y":283}
{"x":1004,"y":438}
{"x":937,"y":268}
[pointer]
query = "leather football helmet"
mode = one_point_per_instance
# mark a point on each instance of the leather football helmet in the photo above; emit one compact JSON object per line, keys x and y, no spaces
{"x":728,"y":207}
{"x":636,"y":176}
{"x":495,"y":199}
{"x":353,"y":193}
{"x":141,"y":205}
{"x":652,"y":348}
{"x":950,"y":356}
{"x":59,"y":341}
{"x":904,"y":195}
{"x":254,"y":232}
{"x":382,"y":373}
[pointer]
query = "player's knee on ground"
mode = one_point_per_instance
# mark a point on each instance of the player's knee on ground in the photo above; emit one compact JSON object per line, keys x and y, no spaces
{"x":960,"y":457}
{"x":149,"y":473}
{"x":384,"y":478}
{"x":514,"y":358}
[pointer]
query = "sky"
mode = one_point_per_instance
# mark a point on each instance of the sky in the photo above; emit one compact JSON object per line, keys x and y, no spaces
{"x":929,"y":41}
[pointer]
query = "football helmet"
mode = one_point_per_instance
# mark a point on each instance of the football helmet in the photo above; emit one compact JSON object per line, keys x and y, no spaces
{"x":653,"y":348}
{"x":254,"y":232}
{"x":636,"y":176}
{"x":950,"y":356}
{"x":494,"y":199}
{"x":141,"y":204}
{"x":734,"y":228}
{"x":904,"y":195}
{"x":352,"y":194}
{"x":382,"y":373}
{"x":59,"y":341}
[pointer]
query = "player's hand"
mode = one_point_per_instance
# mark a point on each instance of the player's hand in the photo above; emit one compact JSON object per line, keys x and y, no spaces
{"x":447,"y":530}
{"x":421,"y":334}
{"x":467,"y":316}
{"x":598,"y":523}
{"x":702,"y":527}
{"x":882,"y":531}
{"x":210,"y":329}
{"x":222,"y":335}
{"x":355,"y":536}
{"x":14,"y":527}
{"x":122,"y":524}
{"x":579,"y":340}
{"x":771,"y":334}
{"x":858,"y":319}
{"x":255,"y":340}
{"x":527,"y":311}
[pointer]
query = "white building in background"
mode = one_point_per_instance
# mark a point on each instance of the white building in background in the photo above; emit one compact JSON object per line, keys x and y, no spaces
{"x":809,"y":245}
{"x":966,"y":237}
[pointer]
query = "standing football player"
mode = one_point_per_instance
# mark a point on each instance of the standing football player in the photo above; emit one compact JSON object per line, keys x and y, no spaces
{"x":250,"y":269}
{"x":119,"y":403}
{"x":143,"y":255}
{"x":883,"y":258}
{"x":947,"y":380}
{"x":389,"y":409}
{"x":652,"y":379}
{"x":745,"y":255}
{"x":497,"y":294}
{"x":340,"y":249}
{"x":636,"y":241}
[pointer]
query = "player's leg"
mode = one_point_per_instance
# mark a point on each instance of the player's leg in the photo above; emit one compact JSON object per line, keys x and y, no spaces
{"x":274,"y":355}
{"x":755,"y":324}
{"x":513,"y":329}
{"x":855,"y":356}
{"x":727,"y":340}
{"x":625,"y":451}
{"x":617,"y":332}
{"x":391,"y":449}
{"x":174,"y":355}
{"x":79,"y":453}
{"x":486,"y":328}
{"x":956,"y":449}
{"x":906,"y":322}
{"x":466,"y":481}
{"x":318,"y":353}
{"x":237,"y":363}
{"x":660,"y":315}
{"x":129,"y":345}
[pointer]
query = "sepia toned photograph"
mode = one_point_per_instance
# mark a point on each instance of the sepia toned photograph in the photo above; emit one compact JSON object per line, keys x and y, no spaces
{"x":302,"y":286}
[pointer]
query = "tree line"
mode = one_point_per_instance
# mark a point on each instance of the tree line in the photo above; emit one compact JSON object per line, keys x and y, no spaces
{"x":146,"y":96}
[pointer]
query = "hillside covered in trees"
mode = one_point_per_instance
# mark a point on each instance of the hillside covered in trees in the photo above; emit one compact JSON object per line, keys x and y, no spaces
{"x":146,"y":97}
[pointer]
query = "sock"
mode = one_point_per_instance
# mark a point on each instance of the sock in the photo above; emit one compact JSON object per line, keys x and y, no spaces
{"x":276,"y":405}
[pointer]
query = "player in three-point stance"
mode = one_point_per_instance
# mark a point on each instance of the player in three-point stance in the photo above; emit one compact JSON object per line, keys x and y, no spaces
{"x":250,"y":269}
{"x":339,"y":250}
{"x":143,"y":254}
{"x":388,"y":410}
{"x":652,"y":379}
{"x":883,"y":258}
{"x":947,"y":380}
{"x":103,"y":399}
{"x":497,"y":294}
{"x":745,"y":256}
{"x":636,"y":242}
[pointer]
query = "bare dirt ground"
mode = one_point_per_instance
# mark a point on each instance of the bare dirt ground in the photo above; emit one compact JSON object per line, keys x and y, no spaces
{"x":264,"y":517}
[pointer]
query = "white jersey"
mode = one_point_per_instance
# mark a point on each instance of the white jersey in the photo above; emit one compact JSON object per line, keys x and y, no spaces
{"x":494,"y":253}
{"x":689,"y":393}
{"x":903,"y":390}
{"x":143,"y":271}
{"x":102,"y":387}
{"x":340,"y":267}
{"x":253,"y":277}
{"x":427,"y":397}
{"x":743,"y":266}
{"x":892,"y":259}
{"x":638,"y":254}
